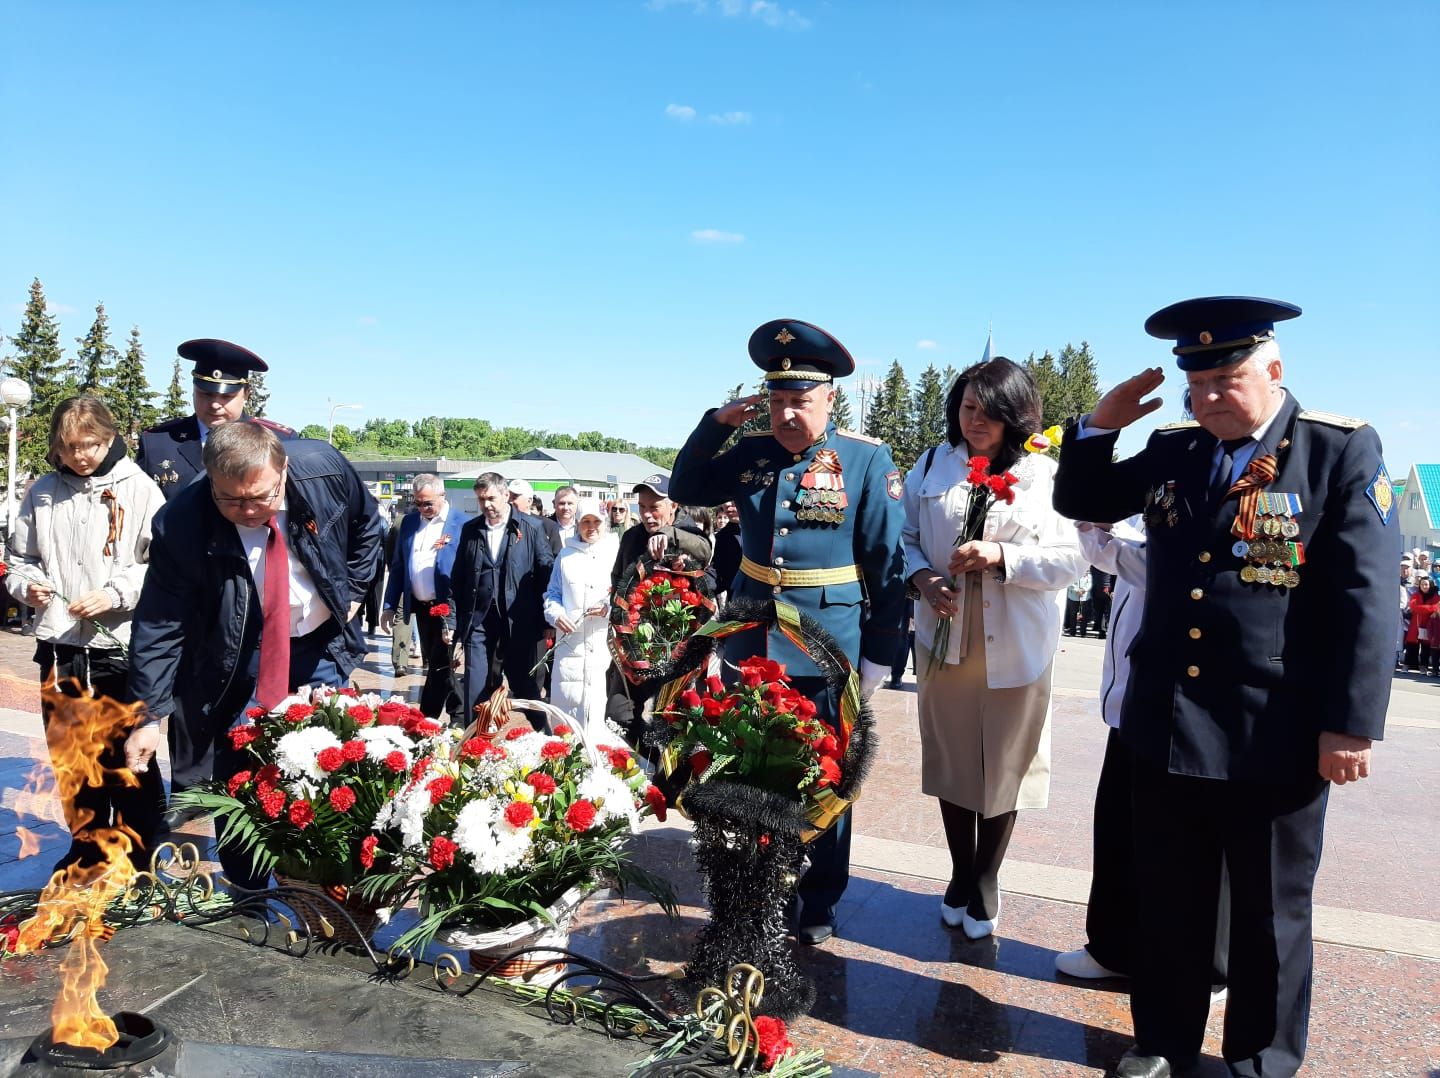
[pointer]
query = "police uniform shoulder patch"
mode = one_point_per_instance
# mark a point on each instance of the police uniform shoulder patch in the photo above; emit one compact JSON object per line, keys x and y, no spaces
{"x":857,"y":436}
{"x":1342,"y":421}
{"x":269,"y":424}
{"x":894,"y":485}
{"x":1183,"y":424}
{"x":1381,"y":494}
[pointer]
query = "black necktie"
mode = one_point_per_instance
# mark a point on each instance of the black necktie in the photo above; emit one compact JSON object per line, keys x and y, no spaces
{"x":1221,"y":483}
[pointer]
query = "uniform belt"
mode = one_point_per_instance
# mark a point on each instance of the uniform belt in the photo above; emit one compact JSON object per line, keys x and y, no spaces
{"x":799,"y":578}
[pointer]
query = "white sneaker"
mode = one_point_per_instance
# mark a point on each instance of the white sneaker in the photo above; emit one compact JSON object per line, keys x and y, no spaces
{"x":951,"y":916}
{"x":1082,"y":965}
{"x":978,"y":930}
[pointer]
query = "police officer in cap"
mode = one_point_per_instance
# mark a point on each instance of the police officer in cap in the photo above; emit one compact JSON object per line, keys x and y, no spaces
{"x":169,"y":453}
{"x":820,"y":521}
{"x":1260,"y":674}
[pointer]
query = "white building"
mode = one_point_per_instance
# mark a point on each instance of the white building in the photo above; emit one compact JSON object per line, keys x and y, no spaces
{"x":1419,"y":508}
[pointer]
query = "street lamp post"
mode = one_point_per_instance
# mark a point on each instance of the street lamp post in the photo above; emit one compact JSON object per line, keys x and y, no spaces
{"x":330,"y":434}
{"x":867,"y":388}
{"x":16,"y":394}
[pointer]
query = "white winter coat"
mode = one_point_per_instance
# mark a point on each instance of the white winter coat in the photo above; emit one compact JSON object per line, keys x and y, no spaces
{"x":1042,"y":557}
{"x":59,"y":539}
{"x":579,"y":581}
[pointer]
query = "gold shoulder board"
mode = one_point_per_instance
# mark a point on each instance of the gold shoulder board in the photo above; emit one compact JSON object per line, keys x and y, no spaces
{"x":855,"y":434}
{"x":762,"y":433}
{"x":1183,"y":424}
{"x":1343,"y":421}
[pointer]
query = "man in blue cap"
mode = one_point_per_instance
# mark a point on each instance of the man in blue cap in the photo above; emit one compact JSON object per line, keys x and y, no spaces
{"x":170,"y":454}
{"x":1259,"y":676}
{"x":820,"y":521}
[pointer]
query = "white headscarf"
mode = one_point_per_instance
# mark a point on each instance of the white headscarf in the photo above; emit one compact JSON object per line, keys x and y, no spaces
{"x":589,"y":507}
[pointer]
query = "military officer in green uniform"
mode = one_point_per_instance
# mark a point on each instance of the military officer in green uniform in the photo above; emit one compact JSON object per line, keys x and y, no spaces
{"x":820,"y":522}
{"x":1259,"y":676}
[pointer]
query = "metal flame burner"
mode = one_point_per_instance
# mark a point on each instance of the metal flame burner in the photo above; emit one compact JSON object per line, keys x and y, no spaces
{"x":141,"y":1038}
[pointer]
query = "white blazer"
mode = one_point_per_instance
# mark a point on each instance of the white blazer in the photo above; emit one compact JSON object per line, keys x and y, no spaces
{"x":1121,"y":551}
{"x":1042,"y":557}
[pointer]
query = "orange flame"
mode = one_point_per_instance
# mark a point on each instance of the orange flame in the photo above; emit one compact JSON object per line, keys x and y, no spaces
{"x":74,"y":902}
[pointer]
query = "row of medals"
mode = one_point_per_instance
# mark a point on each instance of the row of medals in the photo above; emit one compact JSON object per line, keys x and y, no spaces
{"x":821,"y":506}
{"x":1270,"y":558}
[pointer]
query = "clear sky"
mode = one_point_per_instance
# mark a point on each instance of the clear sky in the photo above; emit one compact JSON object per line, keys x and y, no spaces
{"x":571,"y":215}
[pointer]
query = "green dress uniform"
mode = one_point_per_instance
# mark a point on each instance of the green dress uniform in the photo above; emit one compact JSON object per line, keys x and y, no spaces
{"x":819,"y":529}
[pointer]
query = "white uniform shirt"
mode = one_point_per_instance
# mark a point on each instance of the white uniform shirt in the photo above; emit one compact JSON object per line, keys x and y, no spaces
{"x":307,"y":610}
{"x":422,"y":555}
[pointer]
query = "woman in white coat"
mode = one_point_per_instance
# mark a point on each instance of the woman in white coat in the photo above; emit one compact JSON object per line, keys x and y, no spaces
{"x":985,"y":702}
{"x":577,"y":604}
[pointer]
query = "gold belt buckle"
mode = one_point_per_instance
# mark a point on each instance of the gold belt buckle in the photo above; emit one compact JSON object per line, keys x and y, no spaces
{"x":775,"y":575}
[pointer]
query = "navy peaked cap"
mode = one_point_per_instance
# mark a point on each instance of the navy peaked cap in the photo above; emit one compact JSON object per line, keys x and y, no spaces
{"x":221,"y":367}
{"x":798,"y":355}
{"x":1209,"y":331}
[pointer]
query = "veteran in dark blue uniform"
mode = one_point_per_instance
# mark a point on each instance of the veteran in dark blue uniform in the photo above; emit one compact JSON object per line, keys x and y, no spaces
{"x":820,"y":523}
{"x":169,"y":452}
{"x":1260,"y":674}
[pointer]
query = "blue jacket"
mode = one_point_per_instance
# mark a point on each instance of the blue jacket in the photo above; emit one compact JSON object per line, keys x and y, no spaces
{"x":397,"y":588}
{"x":1233,"y":679}
{"x":762,"y":478}
{"x":169,"y":452}
{"x":198,"y":620}
{"x":519,"y":582}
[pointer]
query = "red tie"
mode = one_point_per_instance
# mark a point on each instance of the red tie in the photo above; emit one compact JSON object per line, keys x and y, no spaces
{"x":273,"y":684}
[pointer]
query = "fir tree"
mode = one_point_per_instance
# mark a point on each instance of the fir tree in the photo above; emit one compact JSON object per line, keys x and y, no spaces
{"x":1077,"y":376}
{"x":131,"y":398}
{"x":176,"y":403}
{"x":929,"y":424}
{"x":95,"y":361}
{"x":1054,"y":401}
{"x":891,"y":418}
{"x":39,"y":361}
{"x":257,"y":397}
{"x":840,"y":415}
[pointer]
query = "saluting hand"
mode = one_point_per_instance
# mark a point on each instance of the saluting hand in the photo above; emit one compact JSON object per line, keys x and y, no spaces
{"x":739,"y":411}
{"x":1344,"y":758}
{"x":1125,"y":403}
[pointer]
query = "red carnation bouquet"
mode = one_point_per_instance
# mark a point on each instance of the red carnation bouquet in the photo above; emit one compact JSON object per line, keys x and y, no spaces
{"x":985,"y":490}
{"x":655,"y":610}
{"x":323,"y":764}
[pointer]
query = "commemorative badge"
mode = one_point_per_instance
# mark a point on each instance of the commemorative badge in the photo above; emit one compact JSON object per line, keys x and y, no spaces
{"x":1381,"y":494}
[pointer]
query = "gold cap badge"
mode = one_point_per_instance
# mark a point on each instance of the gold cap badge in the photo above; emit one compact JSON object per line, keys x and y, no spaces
{"x":1205,"y":336}
{"x":784,"y":336}
{"x":785,"y":363}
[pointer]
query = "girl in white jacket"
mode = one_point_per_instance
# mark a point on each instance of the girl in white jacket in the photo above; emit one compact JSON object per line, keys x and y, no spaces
{"x":78,"y":554}
{"x":577,"y":603}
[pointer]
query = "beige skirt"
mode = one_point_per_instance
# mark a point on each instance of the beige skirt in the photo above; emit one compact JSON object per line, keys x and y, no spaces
{"x":984,"y":749}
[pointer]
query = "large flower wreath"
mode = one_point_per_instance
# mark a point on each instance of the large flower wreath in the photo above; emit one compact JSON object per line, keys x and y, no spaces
{"x":655,"y":610}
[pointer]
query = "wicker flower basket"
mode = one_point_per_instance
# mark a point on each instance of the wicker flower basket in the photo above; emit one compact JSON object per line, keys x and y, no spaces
{"x":492,"y":954}
{"x":315,"y":904}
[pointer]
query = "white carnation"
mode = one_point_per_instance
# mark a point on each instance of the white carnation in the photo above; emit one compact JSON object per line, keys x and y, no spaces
{"x":296,"y":751}
{"x":610,"y":795}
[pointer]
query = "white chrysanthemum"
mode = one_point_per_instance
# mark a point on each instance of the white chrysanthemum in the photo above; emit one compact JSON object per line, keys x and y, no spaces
{"x":295,"y":752}
{"x":610,"y":795}
{"x":381,"y":741}
{"x":486,"y":837}
{"x":405,"y":812}
{"x":524,"y":751}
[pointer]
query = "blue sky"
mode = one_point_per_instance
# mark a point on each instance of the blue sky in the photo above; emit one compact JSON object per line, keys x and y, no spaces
{"x":571,"y":215}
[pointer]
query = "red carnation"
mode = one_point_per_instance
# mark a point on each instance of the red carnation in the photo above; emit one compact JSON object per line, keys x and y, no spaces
{"x":439,"y":787}
{"x":554,"y":750}
{"x":519,"y":813}
{"x":829,"y":772}
{"x":353,"y":751}
{"x":395,"y":761}
{"x":700,"y":761}
{"x":774,"y":1040}
{"x":348,"y":690}
{"x":272,"y":803}
{"x":473,"y":748}
{"x":425,"y":728}
{"x":237,"y":780}
{"x":298,"y":712}
{"x":243,"y":735}
{"x":580,"y":816}
{"x":540,"y":782}
{"x":689,"y":699}
{"x":440,"y":610}
{"x":331,"y":759}
{"x":563,"y":731}
{"x":302,"y":814}
{"x":442,"y":853}
{"x":342,"y":799}
{"x":256,"y":712}
{"x":620,"y":759}
{"x":361,"y":714}
{"x":267,"y":778}
{"x":392,"y":711}
{"x":367,"y":851}
{"x":655,"y":798}
{"x":515,"y":733}
{"x":714,"y":685}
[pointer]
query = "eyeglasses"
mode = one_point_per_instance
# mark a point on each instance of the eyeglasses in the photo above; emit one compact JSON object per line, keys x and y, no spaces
{"x":241,"y":503}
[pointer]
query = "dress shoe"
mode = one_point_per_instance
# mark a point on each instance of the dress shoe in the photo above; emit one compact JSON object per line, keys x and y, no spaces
{"x":977,"y":929}
{"x":810,"y":935}
{"x":951,"y":916}
{"x":1133,"y":1065}
{"x":175,"y":818}
{"x":1082,"y":964}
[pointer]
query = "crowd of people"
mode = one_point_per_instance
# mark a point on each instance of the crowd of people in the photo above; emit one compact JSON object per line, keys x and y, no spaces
{"x":1240,"y":555}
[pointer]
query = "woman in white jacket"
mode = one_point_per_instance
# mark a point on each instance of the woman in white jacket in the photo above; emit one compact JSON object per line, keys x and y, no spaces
{"x":577,"y":603}
{"x":78,"y":554}
{"x":985,"y":702}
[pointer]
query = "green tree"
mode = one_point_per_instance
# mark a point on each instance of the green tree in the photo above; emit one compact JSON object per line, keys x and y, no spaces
{"x":39,"y":361}
{"x":176,"y":403}
{"x":258,"y":397}
{"x":131,"y":398}
{"x":95,"y":361}
{"x":929,"y":425}
{"x":1051,"y":385}
{"x":891,"y":417}
{"x":1077,"y":376}
{"x":841,"y":414}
